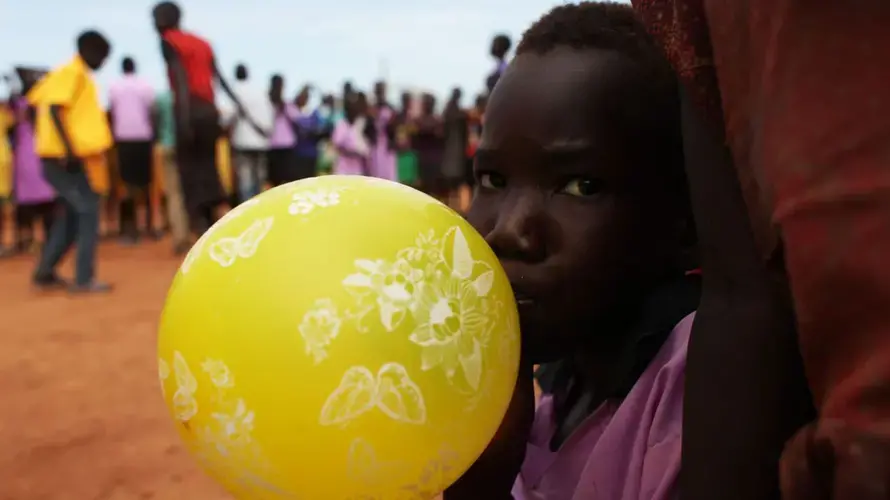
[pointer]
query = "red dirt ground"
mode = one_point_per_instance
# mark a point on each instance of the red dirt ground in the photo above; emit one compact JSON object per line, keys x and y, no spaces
{"x":82,"y":416}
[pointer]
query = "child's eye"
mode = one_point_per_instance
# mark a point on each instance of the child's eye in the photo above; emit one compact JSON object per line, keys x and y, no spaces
{"x":492,"y":181}
{"x":582,"y":187}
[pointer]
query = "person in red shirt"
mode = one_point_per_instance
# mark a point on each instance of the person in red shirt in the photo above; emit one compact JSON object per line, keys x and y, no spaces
{"x":192,"y":70}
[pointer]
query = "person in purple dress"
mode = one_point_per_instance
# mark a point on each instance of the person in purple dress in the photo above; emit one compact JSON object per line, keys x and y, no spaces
{"x":350,"y":140}
{"x":35,"y":198}
{"x":383,"y":160}
{"x":585,"y":202}
{"x":312,"y":127}
{"x":281,"y":157}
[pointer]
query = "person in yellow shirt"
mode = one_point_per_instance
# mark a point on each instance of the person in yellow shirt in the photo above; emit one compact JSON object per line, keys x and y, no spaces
{"x":71,"y":129}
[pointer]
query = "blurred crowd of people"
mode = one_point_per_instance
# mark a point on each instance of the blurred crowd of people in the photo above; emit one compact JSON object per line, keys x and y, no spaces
{"x":263,"y":139}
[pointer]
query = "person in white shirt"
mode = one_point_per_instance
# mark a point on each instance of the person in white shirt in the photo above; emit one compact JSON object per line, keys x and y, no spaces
{"x":250,"y":136}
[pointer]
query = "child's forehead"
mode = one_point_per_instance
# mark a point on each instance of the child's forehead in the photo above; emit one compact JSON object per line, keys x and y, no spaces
{"x":557,"y":95}
{"x":561,"y":78}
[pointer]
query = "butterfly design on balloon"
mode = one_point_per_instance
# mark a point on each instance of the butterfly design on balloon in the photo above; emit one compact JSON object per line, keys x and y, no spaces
{"x":360,"y":391}
{"x":226,"y":251}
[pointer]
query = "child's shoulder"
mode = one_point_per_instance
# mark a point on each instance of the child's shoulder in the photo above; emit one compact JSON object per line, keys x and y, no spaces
{"x":660,"y":389}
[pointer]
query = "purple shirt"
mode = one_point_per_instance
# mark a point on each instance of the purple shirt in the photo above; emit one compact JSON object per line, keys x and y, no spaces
{"x":344,"y":138}
{"x":625,"y":450}
{"x":283,"y":129}
{"x":131,"y":100}
{"x":30,"y":186}
{"x":383,"y":160}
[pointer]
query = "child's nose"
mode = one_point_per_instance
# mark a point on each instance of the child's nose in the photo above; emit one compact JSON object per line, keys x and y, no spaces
{"x":517,"y":234}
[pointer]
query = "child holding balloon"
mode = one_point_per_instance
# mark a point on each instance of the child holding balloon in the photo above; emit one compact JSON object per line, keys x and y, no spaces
{"x":585,"y":203}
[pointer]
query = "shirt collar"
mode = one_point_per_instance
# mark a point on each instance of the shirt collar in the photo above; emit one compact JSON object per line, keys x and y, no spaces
{"x":666,"y":306}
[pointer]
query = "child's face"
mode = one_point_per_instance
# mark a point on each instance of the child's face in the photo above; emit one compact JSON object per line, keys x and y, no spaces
{"x":559,"y":197}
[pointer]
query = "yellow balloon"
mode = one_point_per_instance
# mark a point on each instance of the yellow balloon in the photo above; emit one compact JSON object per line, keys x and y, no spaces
{"x":339,"y":338}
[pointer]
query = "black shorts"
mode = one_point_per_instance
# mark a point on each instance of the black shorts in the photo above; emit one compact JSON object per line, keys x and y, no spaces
{"x":134,"y":160}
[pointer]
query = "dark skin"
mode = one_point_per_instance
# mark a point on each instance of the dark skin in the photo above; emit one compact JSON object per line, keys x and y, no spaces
{"x":381,"y":102}
{"x":559,"y":200}
{"x":180,"y":82}
{"x":348,"y":91}
{"x":276,"y":92}
{"x":380,"y":93}
{"x":428,"y":122}
{"x":352,"y":111}
{"x":94,"y":60}
{"x":453,"y":110}
{"x":303,"y":97}
{"x":406,"y":103}
{"x":499,"y":48}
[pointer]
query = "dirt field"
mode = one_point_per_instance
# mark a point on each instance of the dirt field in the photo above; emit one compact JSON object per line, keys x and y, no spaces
{"x":82,"y":415}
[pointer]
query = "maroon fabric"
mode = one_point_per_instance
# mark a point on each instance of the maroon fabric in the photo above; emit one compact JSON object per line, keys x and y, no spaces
{"x":803,"y":101}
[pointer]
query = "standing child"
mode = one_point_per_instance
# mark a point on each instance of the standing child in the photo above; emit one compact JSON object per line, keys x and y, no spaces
{"x":585,"y":203}
{"x":250,"y":138}
{"x":500,"y":47}
{"x":428,"y":142}
{"x":283,"y":139}
{"x":133,"y":124}
{"x":34,"y":197}
{"x":71,"y":128}
{"x":310,"y":128}
{"x":407,"y":157}
{"x":383,"y":161}
{"x":454,"y":157}
{"x":327,"y":152}
{"x":353,"y":149}
{"x":475,"y":117}
{"x":176,"y":212}
{"x":474,"y":132}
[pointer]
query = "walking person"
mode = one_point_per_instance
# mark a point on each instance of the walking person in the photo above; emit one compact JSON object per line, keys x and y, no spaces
{"x":70,"y":128}
{"x":132,"y":124}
